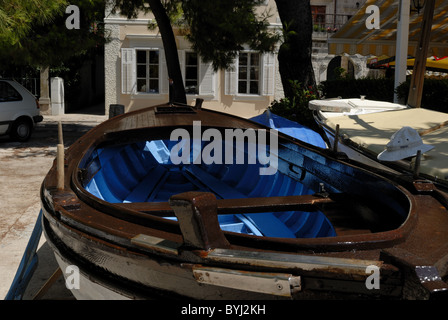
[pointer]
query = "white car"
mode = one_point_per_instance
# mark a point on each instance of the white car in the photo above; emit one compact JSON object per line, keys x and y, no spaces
{"x":19,"y":110}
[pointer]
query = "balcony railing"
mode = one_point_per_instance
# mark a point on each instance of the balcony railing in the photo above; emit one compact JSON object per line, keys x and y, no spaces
{"x":324,"y":25}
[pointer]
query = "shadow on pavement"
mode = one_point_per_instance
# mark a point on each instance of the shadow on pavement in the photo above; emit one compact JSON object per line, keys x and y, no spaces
{"x":46,"y":266}
{"x":46,"y":136}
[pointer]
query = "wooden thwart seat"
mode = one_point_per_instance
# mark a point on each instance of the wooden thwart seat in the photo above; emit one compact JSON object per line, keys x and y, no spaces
{"x":243,"y":205}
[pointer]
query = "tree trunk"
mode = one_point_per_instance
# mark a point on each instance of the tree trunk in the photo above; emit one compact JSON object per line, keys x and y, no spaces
{"x":177,"y":89}
{"x":294,"y":55}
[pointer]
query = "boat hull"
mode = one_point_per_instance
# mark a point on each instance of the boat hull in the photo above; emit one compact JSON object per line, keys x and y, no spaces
{"x":102,"y":276}
{"x":92,"y":290}
{"x":108,"y":274}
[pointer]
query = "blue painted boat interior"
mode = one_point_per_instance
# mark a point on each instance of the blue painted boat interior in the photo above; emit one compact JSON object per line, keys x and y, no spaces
{"x":143,"y":172}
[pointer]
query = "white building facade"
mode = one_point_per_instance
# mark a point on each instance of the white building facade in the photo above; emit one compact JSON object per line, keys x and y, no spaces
{"x":328,"y":17}
{"x":136,"y":74}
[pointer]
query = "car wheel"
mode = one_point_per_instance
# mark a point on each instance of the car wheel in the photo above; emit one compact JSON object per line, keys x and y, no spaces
{"x":21,"y":130}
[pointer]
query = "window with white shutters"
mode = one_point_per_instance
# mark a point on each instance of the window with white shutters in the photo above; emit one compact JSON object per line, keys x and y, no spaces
{"x":251,"y":74}
{"x":199,"y":76}
{"x":144,"y":71}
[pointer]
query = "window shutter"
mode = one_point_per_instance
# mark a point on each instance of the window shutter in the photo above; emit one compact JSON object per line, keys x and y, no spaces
{"x":207,"y":78}
{"x":181,"y":55}
{"x":128,"y":83}
{"x":231,"y":80}
{"x":163,"y":73}
{"x":268,"y":74}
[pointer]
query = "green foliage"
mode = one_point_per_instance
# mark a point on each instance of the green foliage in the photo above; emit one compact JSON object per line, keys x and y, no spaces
{"x":296,"y":108}
{"x":19,"y":17}
{"x":219,"y":29}
{"x":130,"y":9}
{"x":288,"y":33}
{"x":340,"y":73}
{"x":51,"y":43}
{"x":433,"y":96}
{"x":374,"y":89}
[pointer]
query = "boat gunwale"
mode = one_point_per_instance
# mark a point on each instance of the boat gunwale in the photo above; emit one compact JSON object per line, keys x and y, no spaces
{"x":322,"y":244}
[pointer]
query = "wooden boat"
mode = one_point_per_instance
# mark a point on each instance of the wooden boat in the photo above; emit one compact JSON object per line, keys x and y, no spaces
{"x":136,"y":226}
{"x":364,"y":132}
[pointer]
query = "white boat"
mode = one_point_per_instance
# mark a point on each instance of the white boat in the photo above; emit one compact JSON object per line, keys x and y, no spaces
{"x":365,"y":127}
{"x":339,"y":107}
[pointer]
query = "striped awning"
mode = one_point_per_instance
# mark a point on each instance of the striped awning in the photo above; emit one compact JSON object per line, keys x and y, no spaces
{"x":354,"y":37}
{"x":432,"y":63}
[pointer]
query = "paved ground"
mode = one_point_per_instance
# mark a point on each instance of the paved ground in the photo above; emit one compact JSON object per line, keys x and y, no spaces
{"x":23,"y":167}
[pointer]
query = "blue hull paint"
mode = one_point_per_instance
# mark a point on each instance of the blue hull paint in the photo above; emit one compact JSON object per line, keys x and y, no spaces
{"x":143,"y":172}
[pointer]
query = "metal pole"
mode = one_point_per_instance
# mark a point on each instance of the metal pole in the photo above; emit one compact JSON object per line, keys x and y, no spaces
{"x":60,"y":158}
{"x":401,"y":53}
{"x":418,"y":75}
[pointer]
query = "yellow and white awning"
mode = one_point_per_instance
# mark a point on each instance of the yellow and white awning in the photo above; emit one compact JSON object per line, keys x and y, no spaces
{"x":354,"y":37}
{"x":432,"y":63}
